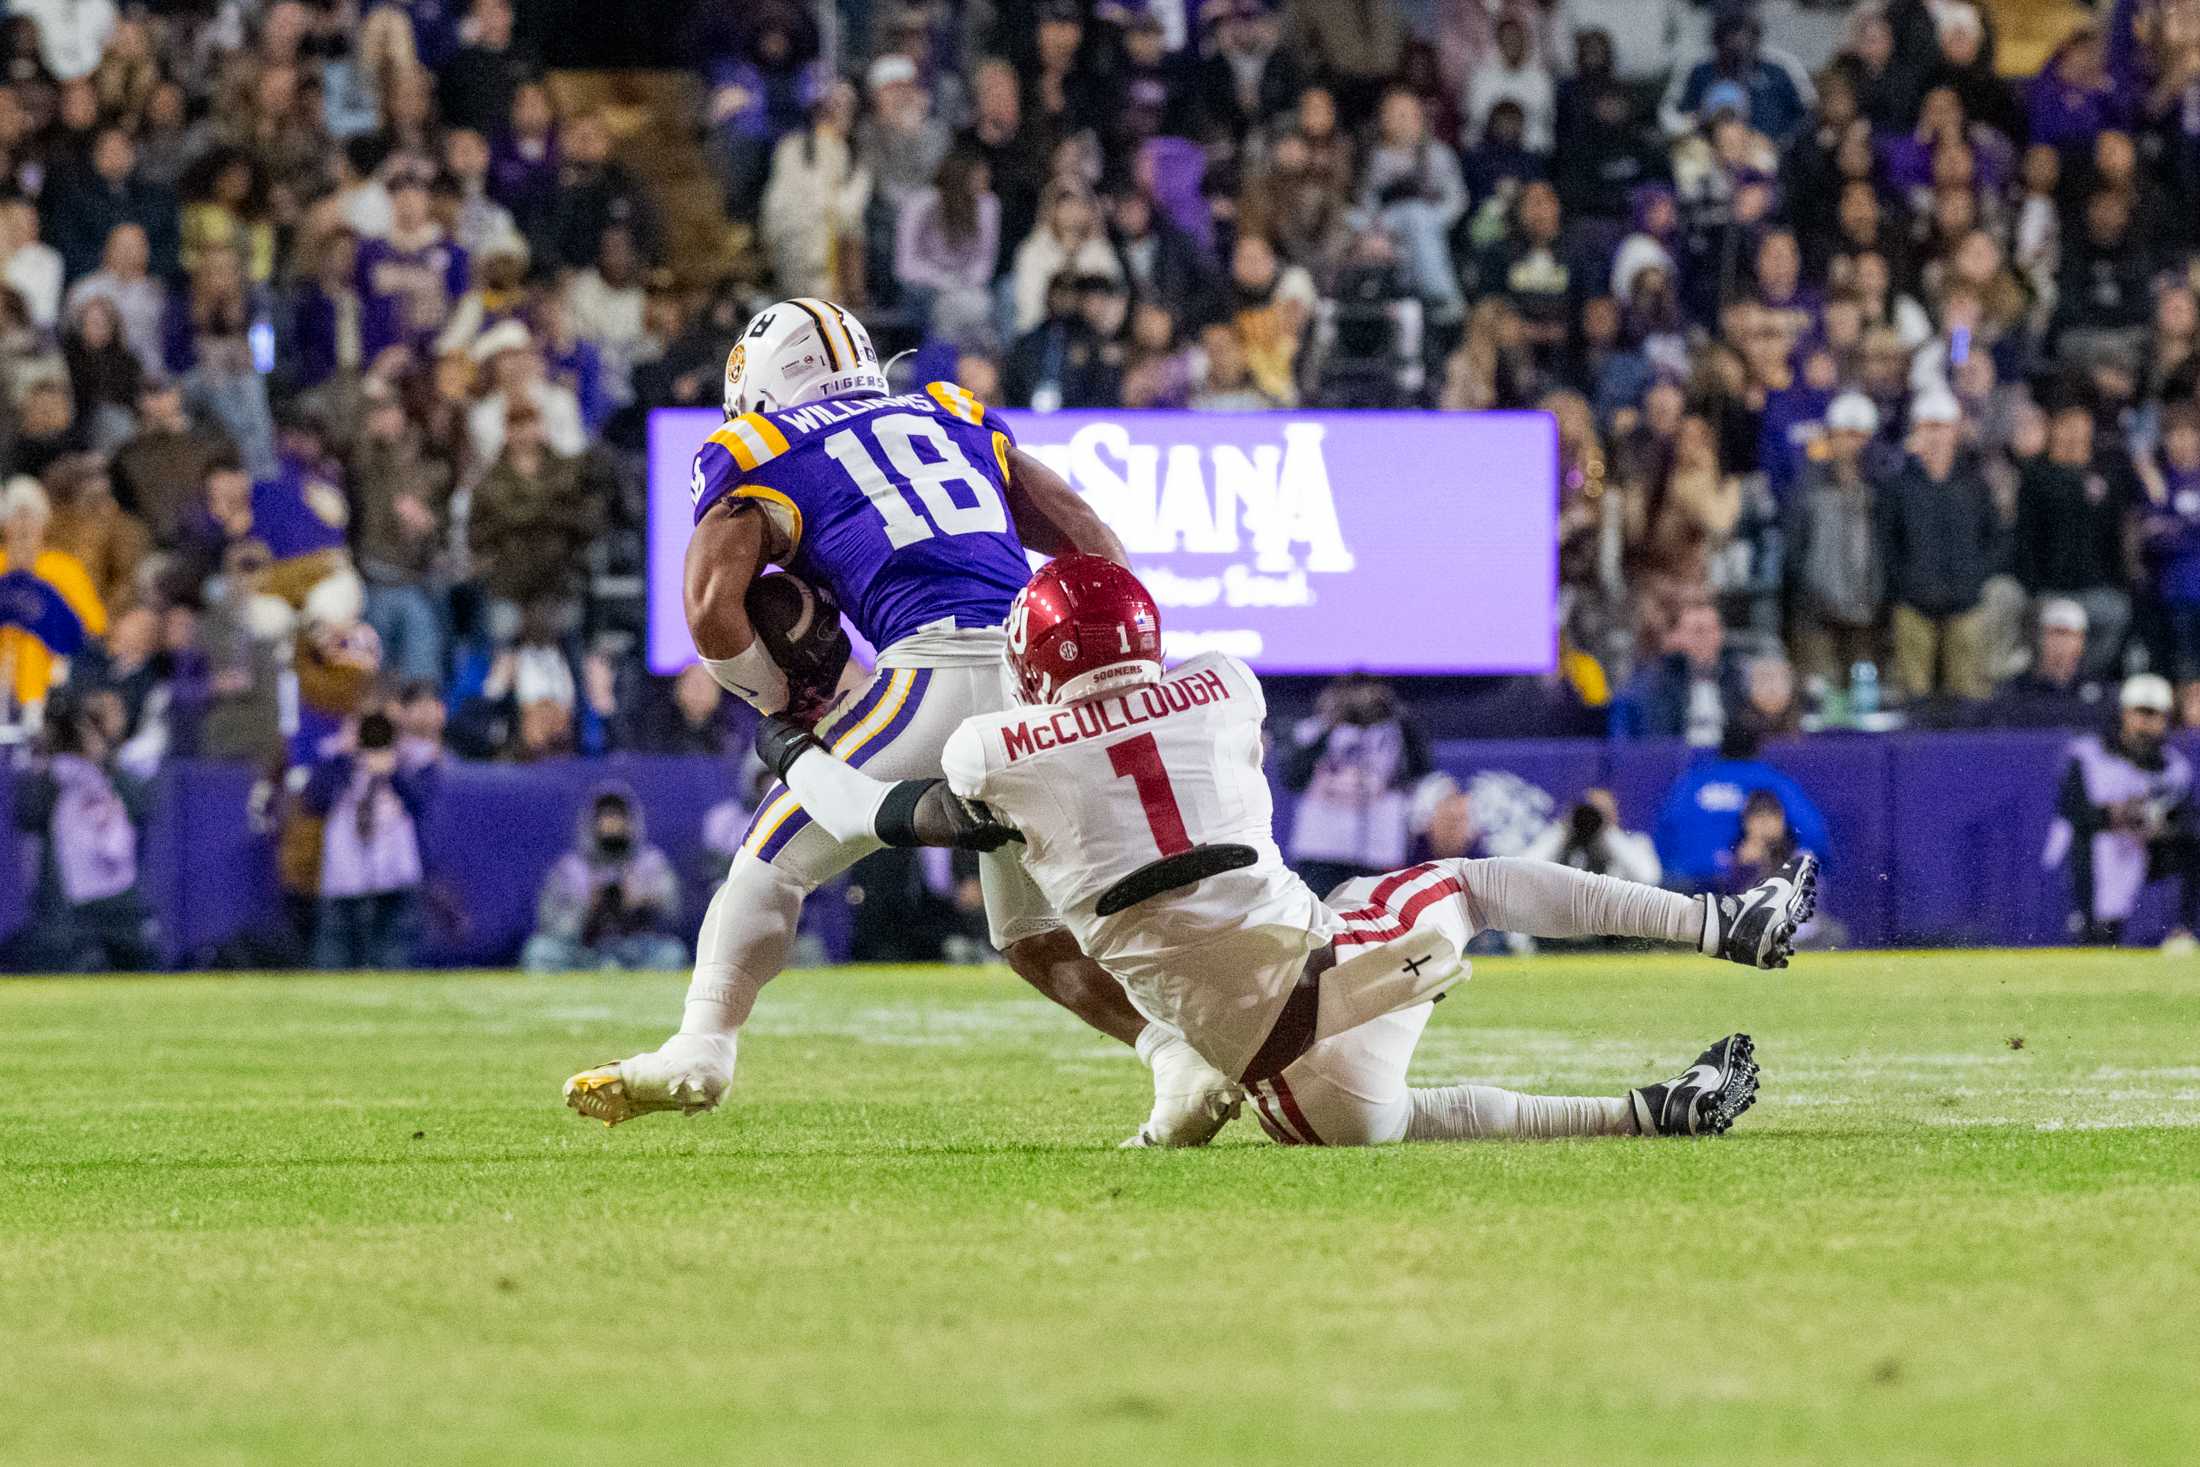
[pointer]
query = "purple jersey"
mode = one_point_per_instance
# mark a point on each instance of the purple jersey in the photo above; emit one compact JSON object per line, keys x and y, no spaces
{"x":407,"y":295}
{"x":896,"y":504}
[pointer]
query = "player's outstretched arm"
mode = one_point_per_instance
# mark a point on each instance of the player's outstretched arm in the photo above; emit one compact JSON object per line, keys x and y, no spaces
{"x":1050,"y":517}
{"x":851,"y":805}
{"x":723,"y":557}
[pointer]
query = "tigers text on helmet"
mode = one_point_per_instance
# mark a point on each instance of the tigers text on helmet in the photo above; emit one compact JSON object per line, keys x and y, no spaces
{"x":799,"y":351}
{"x":1082,"y":626}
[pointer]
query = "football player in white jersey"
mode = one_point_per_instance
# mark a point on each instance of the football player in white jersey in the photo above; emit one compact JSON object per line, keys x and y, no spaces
{"x":914,"y":510}
{"x":1144,"y":817}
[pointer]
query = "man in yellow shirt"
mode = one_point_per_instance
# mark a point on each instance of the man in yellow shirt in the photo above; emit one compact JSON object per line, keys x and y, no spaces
{"x":28,"y":665}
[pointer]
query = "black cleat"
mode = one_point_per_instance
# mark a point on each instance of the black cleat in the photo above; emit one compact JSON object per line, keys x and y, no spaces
{"x":1757,"y":928}
{"x":1705,"y":1101}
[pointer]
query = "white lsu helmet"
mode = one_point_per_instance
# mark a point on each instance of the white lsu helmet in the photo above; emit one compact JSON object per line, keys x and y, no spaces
{"x":796,"y":352}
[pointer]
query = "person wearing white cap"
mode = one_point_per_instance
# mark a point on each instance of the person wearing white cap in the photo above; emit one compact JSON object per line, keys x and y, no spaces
{"x":1839,"y":579}
{"x":2053,"y":692}
{"x":27,"y":665}
{"x":2125,"y":819}
{"x":904,"y":138}
{"x":1941,"y":539}
{"x":507,"y":351}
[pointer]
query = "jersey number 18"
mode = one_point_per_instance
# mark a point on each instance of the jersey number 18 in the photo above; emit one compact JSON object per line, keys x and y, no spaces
{"x":898,"y":434}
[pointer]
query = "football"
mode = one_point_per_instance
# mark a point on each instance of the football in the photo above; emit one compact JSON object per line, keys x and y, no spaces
{"x":800,"y":625}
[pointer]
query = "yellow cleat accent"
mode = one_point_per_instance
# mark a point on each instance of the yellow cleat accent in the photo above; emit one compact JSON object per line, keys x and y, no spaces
{"x":600,"y":1094}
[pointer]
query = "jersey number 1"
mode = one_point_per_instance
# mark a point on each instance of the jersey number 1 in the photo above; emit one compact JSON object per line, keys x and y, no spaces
{"x":897,"y":434}
{"x":1139,"y":761}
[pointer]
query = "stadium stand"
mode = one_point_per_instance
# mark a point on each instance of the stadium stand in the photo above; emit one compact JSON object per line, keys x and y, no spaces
{"x":329,"y":331}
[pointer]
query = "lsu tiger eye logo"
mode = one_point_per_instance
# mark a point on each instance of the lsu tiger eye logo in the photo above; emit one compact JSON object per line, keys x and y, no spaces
{"x":736,"y":360}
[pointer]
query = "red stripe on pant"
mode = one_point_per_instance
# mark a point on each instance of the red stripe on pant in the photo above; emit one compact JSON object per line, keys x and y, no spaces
{"x":1384,"y":890}
{"x":1291,"y":1109}
{"x":1267,"y":1122}
{"x":1423,"y":899}
{"x":1268,"y":1118}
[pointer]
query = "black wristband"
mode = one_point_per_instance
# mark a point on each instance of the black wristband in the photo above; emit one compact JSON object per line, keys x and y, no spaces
{"x":781,"y":741}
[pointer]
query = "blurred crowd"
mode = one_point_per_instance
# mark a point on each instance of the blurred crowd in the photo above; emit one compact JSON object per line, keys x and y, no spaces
{"x":329,"y":328}
{"x":1868,"y":360}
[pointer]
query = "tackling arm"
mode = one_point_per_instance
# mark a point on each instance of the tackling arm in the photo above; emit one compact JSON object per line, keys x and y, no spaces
{"x":723,"y":557}
{"x":1050,"y":517}
{"x":853,"y":806}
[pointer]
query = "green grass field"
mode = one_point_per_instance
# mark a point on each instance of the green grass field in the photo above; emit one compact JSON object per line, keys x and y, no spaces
{"x":313,"y":1220}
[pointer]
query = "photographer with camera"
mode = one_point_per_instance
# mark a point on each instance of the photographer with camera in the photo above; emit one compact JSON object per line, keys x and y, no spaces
{"x":1591,"y":839}
{"x":1353,"y":766}
{"x":2125,"y":819}
{"x":88,"y":913}
{"x":371,"y":804}
{"x":612,"y":901}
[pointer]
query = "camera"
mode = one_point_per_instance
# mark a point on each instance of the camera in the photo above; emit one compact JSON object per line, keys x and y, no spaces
{"x":377,"y":732}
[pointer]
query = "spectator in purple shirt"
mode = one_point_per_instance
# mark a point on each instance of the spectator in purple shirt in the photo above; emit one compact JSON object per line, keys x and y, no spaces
{"x":2073,"y":98}
{"x":409,"y":282}
{"x":2171,"y":532}
{"x":523,"y":165}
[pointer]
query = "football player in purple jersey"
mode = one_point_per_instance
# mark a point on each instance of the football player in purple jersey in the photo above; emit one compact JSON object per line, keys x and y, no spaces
{"x":915,"y":511}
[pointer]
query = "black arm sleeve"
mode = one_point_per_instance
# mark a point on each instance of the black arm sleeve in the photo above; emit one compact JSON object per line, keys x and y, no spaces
{"x":925,"y":812}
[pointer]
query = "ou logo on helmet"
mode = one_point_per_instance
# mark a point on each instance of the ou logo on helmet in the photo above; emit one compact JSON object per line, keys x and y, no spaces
{"x":1019,"y":624}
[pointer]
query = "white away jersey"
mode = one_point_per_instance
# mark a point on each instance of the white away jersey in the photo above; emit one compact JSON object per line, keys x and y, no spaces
{"x":1106,"y":786}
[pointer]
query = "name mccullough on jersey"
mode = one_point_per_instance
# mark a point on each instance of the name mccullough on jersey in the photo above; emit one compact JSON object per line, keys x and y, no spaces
{"x":1099,"y":716}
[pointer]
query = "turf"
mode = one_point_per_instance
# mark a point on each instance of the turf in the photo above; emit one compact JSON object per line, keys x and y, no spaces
{"x":319,"y":1220}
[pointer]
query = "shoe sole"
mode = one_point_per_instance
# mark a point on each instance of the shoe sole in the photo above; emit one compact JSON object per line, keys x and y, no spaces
{"x":1801,"y":908}
{"x":1718,"y":1109}
{"x":599,"y":1095}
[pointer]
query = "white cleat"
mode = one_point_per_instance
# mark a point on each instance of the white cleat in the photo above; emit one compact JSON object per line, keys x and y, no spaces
{"x":1192,"y":1100}
{"x":1188,"y":1124}
{"x":689,"y":1074}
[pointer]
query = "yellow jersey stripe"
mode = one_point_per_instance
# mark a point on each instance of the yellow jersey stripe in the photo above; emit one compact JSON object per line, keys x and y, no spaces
{"x":853,"y":741}
{"x":1000,"y":454}
{"x":794,"y":511}
{"x":957,"y":401}
{"x":737,"y":444}
{"x":767,"y":432}
{"x":782,"y":810}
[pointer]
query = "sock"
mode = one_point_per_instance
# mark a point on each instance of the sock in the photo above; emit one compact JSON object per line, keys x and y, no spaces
{"x":1486,"y":1113}
{"x":1545,"y":899}
{"x":746,"y":937}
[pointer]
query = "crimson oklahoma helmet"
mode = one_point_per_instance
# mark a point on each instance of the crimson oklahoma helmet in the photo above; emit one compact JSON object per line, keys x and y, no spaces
{"x":1082,"y":626}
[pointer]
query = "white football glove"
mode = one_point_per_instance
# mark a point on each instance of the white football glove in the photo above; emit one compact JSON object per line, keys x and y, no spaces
{"x":1192,"y":1100}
